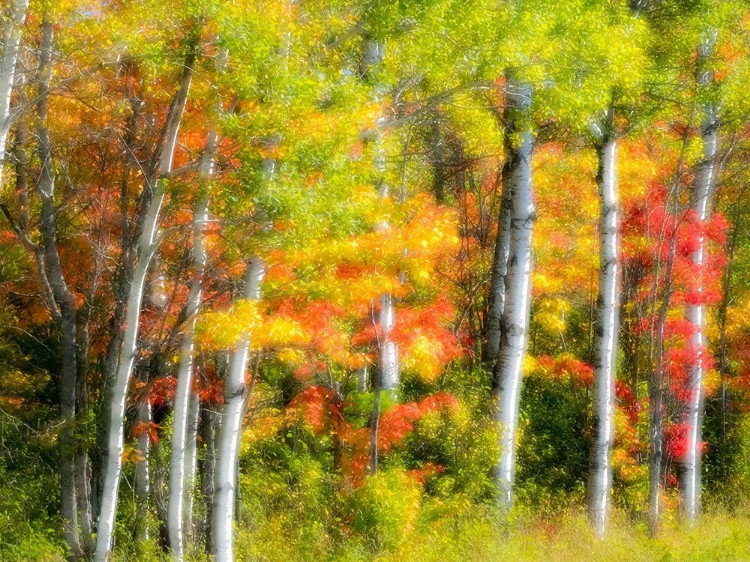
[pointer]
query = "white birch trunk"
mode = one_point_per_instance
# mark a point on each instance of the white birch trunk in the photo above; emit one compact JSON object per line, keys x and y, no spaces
{"x":178,"y":485}
{"x":229,"y":429}
{"x":390,"y":374}
{"x":499,"y":266}
{"x":142,"y":475}
{"x":8,"y":60}
{"x":598,"y":489}
{"x":148,"y":244}
{"x":509,"y":366}
{"x":191,"y":463}
{"x":702,"y":185}
{"x":116,"y":438}
{"x":362,"y":379}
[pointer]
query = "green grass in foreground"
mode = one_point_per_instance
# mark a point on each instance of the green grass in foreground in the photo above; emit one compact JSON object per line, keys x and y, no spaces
{"x":715,"y":537}
{"x":567,"y":538}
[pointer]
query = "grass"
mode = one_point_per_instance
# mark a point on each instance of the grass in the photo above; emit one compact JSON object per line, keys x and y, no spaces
{"x":566,"y":538}
{"x":716,"y":537}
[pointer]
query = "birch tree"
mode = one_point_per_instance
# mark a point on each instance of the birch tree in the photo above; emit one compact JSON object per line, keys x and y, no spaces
{"x":209,"y":434}
{"x":389,"y":376}
{"x":183,"y":436}
{"x":662,"y":294}
{"x":142,"y":473}
{"x":65,"y":300}
{"x":191,"y":464}
{"x":695,"y":313}
{"x":599,"y":484}
{"x":11,"y":40}
{"x":515,"y":319}
{"x":148,"y":243}
{"x":230,"y":425}
{"x":499,"y":268}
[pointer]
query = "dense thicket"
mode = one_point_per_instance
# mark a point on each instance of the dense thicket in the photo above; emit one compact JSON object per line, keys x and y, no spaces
{"x":367,"y":278}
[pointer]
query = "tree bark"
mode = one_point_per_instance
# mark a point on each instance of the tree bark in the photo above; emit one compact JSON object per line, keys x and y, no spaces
{"x":690,"y":481}
{"x":513,"y":342}
{"x":21,"y":226}
{"x":229,"y":429}
{"x":390,"y":372}
{"x":657,"y":343}
{"x":390,"y":375}
{"x":499,"y":262}
{"x":187,"y":404}
{"x":142,"y":469}
{"x":656,"y":395}
{"x":121,"y":283}
{"x":656,"y":427}
{"x":362,"y":379}
{"x":209,"y":418}
{"x":375,"y":423}
{"x":180,"y":436}
{"x":598,"y":489}
{"x":191,"y":462}
{"x":147,"y":246}
{"x":11,"y":40}
{"x":737,"y":226}
{"x":64,"y":299}
{"x":83,"y":468}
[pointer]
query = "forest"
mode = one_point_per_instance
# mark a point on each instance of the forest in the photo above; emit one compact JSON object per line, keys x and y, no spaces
{"x":389,"y":280}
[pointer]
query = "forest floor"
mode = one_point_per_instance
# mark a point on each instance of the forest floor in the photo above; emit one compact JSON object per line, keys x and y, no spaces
{"x":715,"y":537}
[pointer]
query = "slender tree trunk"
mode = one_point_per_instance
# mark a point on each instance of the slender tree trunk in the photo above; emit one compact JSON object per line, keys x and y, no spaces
{"x":21,"y":226}
{"x":147,"y":246}
{"x":226,"y":492}
{"x":656,"y":428}
{"x":390,"y":372}
{"x":159,"y":489}
{"x":657,"y":344}
{"x":64,"y":299}
{"x":142,"y":469}
{"x":191,"y":462}
{"x":390,"y":376}
{"x":362,"y":379}
{"x":83,"y":486}
{"x":656,"y":396}
{"x":180,"y":438}
{"x":375,"y":424}
{"x":83,"y":468}
{"x":726,"y":299}
{"x":121,"y":284}
{"x":186,"y":408}
{"x":515,"y":321}
{"x":599,"y":484}
{"x":208,"y":437}
{"x":113,"y":467}
{"x":695,"y":313}
{"x":229,"y":429}
{"x":11,"y":40}
{"x":499,"y":263}
{"x":69,"y":509}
